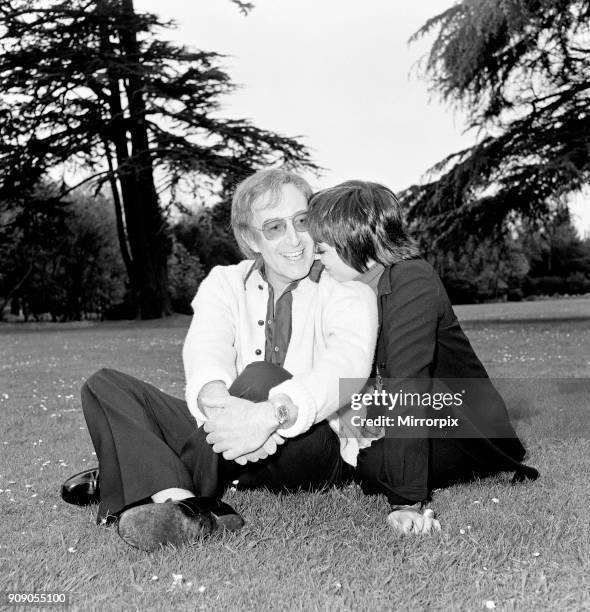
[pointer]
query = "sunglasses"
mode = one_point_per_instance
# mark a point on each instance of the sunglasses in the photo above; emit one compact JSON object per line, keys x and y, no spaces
{"x":275,"y":228}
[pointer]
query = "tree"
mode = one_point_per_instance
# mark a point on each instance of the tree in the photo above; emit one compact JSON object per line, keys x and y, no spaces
{"x":86,"y":84}
{"x":560,"y":260}
{"x":521,"y":70}
{"x":207,"y":237}
{"x":186,"y":273}
{"x":527,"y":260}
{"x":32,"y":231}
{"x":60,"y":257}
{"x":489,"y":269}
{"x":201,"y":241}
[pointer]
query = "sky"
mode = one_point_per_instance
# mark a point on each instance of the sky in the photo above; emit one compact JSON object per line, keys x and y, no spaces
{"x":338,"y":73}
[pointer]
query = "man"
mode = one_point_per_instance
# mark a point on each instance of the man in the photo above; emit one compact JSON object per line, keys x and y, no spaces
{"x":268,"y":343}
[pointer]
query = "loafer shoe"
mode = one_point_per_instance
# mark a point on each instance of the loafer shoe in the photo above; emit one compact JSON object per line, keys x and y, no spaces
{"x":82,"y":489}
{"x":150,"y":526}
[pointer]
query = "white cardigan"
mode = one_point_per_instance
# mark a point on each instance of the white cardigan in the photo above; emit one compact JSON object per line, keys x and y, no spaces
{"x":334,"y":330}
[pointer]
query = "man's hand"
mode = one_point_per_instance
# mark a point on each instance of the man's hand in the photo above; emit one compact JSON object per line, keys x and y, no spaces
{"x":267,"y":449}
{"x":238,"y":426}
{"x":210,"y":394}
{"x":412,"y":521}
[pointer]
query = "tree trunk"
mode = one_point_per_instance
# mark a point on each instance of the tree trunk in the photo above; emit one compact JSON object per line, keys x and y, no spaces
{"x":145,"y":223}
{"x":120,"y":221}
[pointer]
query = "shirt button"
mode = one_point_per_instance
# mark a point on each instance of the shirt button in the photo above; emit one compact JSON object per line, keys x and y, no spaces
{"x":258,"y":352}
{"x":276,"y":349}
{"x":260,"y":287}
{"x":261,"y":322}
{"x":269,"y":321}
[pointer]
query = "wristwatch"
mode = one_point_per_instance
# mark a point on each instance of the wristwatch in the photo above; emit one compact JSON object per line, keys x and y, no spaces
{"x":281,"y":410}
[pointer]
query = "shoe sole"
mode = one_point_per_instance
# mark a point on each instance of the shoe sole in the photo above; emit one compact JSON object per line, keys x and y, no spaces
{"x":225,"y":518}
{"x":228,"y":522}
{"x":150,"y":526}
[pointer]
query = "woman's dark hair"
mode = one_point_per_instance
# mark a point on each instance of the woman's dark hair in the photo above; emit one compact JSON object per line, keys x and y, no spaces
{"x":363,"y":221}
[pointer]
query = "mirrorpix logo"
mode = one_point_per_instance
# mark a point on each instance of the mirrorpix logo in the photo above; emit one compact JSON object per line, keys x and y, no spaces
{"x":403,"y":400}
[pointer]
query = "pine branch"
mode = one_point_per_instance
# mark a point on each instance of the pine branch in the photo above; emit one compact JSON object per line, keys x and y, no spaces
{"x":244,"y":7}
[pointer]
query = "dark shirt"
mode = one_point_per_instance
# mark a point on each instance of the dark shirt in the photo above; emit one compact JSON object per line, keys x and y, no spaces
{"x":278,"y":321}
{"x":278,"y":325}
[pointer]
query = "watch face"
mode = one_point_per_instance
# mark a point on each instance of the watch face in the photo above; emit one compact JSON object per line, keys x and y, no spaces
{"x":282,"y":414}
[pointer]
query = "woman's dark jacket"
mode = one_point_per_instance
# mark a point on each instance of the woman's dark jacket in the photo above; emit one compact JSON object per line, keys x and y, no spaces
{"x":421,"y":338}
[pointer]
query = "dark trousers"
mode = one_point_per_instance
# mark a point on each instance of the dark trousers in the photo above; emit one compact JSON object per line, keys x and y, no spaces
{"x":399,"y":471}
{"x":147,"y":441}
{"x":381,"y":468}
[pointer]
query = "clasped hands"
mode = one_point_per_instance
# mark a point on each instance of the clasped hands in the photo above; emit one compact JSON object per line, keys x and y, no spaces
{"x":237,"y":428}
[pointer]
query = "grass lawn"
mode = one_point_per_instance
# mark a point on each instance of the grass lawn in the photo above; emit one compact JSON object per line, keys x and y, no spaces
{"x":523,"y":547}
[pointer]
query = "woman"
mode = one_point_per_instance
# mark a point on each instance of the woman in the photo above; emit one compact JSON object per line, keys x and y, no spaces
{"x":360,"y":235}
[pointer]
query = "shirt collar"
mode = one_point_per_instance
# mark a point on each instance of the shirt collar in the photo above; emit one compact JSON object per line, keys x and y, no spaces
{"x":256,"y":265}
{"x":372,"y":276}
{"x":384,"y":285}
{"x":316,"y":271}
{"x":314,"y":275}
